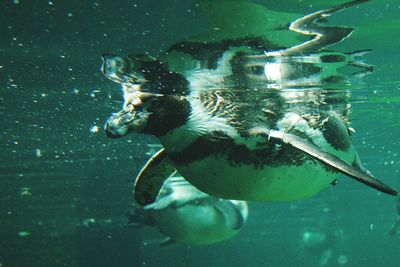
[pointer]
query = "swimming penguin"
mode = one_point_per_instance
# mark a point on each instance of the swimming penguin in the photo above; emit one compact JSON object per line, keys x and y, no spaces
{"x":185,"y":214}
{"x":245,"y":117}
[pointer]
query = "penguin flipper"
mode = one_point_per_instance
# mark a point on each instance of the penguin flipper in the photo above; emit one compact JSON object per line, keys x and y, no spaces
{"x":151,"y":178}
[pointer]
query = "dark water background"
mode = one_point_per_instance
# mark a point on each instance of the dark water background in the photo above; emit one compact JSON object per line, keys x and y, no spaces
{"x":65,"y":187}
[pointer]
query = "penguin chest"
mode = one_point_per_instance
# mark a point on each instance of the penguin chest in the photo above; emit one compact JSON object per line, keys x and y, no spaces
{"x":217,"y":176}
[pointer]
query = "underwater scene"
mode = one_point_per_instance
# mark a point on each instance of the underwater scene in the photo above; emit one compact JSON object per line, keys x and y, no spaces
{"x":200,"y":133}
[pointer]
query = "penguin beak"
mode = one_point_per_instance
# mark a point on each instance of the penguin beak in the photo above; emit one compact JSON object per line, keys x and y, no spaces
{"x":134,"y":115}
{"x":120,"y":124}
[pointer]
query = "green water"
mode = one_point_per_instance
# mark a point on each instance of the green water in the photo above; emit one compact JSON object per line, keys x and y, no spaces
{"x":65,"y":187}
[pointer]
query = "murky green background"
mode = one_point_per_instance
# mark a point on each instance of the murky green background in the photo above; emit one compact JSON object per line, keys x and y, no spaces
{"x":65,"y":187}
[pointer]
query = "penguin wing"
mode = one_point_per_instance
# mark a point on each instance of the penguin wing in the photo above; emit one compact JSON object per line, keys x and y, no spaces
{"x":233,"y":217}
{"x":326,"y":158}
{"x":151,"y":178}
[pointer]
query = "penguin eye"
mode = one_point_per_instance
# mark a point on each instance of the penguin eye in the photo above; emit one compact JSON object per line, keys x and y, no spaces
{"x":145,"y":87}
{"x":154,"y":102}
{"x":139,"y":108}
{"x":257,"y":70}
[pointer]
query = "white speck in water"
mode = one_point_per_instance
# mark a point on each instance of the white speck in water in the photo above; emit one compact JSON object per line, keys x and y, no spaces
{"x":70,"y":14}
{"x":25,"y":191}
{"x":326,"y":209}
{"x":94,"y":129}
{"x":50,"y":3}
{"x":15,"y":2}
{"x":38,"y":152}
{"x":24,"y":233}
{"x":88,"y":222}
{"x":371,"y":226}
{"x":342,"y":260}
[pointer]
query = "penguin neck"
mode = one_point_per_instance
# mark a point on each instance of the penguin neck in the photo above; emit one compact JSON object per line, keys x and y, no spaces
{"x":199,"y":123}
{"x":171,"y":113}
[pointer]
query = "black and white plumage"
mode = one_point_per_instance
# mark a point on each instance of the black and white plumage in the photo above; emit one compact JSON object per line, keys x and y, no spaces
{"x":244,"y":118}
{"x":184,"y":214}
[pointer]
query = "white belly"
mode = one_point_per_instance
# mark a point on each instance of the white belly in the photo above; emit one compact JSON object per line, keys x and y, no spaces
{"x":217,"y":177}
{"x":194,"y":224}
